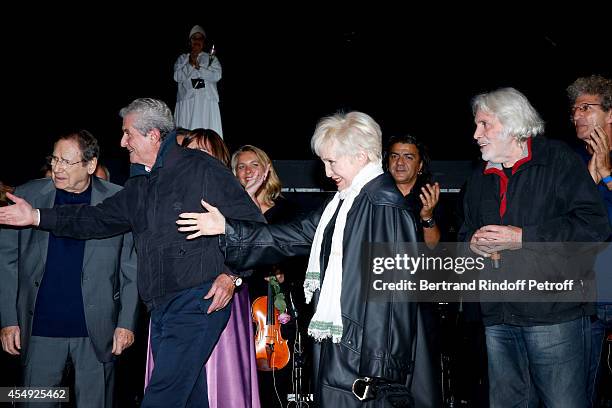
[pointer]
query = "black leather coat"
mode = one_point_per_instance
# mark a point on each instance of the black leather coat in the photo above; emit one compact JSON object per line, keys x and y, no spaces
{"x":380,"y":339}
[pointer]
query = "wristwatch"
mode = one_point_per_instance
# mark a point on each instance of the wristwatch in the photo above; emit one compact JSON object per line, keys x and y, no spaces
{"x":429,"y":223}
{"x":236,"y":280}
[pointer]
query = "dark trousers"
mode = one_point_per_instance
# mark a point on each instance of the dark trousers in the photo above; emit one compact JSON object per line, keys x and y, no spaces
{"x":47,"y":357}
{"x":182,"y":337}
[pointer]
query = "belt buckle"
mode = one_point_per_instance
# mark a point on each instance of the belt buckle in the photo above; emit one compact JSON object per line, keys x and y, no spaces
{"x":363,"y":388}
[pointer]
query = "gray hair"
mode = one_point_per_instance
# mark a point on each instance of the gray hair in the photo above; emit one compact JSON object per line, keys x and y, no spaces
{"x":593,"y":85}
{"x":518,"y":117}
{"x":353,"y":132}
{"x":152,"y":114}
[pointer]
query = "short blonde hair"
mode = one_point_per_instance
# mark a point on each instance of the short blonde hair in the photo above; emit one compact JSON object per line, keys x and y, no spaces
{"x":353,"y":132}
{"x":272,"y":187}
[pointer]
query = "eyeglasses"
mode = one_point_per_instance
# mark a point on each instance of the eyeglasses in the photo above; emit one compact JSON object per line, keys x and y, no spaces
{"x":55,"y":161}
{"x":583,"y":107}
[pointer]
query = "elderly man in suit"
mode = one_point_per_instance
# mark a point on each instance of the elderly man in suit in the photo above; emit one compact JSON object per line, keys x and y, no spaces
{"x":66,"y":299}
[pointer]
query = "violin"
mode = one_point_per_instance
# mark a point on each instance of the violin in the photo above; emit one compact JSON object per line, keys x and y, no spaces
{"x":271,"y":350}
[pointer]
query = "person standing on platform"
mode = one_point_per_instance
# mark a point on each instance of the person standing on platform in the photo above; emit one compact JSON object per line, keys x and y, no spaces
{"x":196,"y":74}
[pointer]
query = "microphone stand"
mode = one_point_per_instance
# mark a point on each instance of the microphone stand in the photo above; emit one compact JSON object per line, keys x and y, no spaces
{"x":300,"y":399}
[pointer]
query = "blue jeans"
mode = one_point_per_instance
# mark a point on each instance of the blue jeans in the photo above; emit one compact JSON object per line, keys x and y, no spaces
{"x":182,"y":337}
{"x":598,"y":331}
{"x":538,"y":363}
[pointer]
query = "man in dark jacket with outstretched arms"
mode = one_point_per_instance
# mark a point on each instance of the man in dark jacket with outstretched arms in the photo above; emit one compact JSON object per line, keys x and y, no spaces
{"x":182,"y":282}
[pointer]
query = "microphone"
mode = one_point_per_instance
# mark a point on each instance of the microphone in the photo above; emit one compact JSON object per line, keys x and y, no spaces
{"x":495,"y":258}
{"x":491,"y":217}
{"x":295,"y":311}
{"x":211,"y":56}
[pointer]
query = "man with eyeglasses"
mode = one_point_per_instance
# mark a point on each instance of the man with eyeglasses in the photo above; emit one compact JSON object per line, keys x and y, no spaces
{"x":66,"y":299}
{"x":184,"y":284}
{"x":591,"y":109}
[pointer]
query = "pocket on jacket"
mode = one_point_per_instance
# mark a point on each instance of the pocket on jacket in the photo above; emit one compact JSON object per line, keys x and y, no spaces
{"x":181,"y":265}
{"x":352,"y":334}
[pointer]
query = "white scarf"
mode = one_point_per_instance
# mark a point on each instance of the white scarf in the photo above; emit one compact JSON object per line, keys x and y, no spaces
{"x":327,"y":320}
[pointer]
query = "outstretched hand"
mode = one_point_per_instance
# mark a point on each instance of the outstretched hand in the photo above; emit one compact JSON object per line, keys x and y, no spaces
{"x":208,"y":223}
{"x":21,"y":214}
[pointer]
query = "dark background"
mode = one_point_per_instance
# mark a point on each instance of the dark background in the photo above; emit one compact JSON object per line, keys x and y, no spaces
{"x":413,"y":72}
{"x":283,"y":69}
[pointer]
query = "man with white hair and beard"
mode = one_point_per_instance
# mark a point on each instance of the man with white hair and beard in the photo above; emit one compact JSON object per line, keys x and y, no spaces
{"x":530,"y":190}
